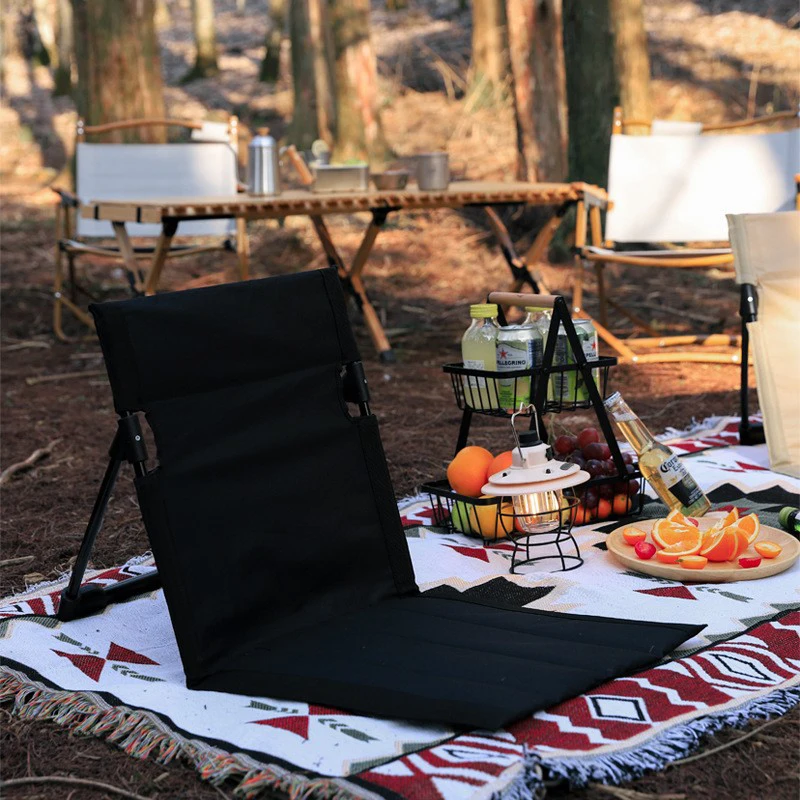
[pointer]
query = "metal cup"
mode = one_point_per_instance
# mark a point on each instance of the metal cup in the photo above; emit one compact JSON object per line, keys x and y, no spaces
{"x":433,"y":171}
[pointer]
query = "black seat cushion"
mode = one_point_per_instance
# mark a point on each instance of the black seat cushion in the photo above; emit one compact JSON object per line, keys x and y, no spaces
{"x":276,"y":533}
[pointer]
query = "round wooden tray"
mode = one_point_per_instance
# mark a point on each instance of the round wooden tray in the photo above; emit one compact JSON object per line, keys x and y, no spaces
{"x":713,"y":572}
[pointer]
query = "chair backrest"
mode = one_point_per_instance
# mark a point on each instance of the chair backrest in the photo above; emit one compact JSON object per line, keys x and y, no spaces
{"x":766,"y":250}
{"x":678,"y":188}
{"x":148,"y":171}
{"x":266,"y":487}
{"x":675,"y":127}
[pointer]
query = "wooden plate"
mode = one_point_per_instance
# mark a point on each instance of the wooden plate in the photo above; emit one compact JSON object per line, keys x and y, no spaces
{"x":713,"y":572}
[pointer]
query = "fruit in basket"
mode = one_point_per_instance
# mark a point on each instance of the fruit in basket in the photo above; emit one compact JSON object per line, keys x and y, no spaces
{"x":468,"y":471}
{"x":582,"y":515}
{"x":768,"y":549}
{"x":622,"y":504}
{"x":483,"y":520}
{"x":588,"y":436}
{"x":604,"y":509}
{"x":500,"y":462}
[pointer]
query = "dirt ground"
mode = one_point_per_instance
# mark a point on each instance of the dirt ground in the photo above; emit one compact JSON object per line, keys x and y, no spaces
{"x":713,"y":60}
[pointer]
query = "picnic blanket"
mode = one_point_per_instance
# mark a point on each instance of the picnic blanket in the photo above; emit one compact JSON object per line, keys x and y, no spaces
{"x":118,"y":675}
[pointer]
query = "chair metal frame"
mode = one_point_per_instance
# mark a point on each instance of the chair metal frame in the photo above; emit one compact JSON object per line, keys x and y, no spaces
{"x":589,"y":235}
{"x":66,"y":286}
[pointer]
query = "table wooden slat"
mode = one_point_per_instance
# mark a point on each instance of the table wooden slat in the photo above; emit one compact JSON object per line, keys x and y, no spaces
{"x":303,"y":202}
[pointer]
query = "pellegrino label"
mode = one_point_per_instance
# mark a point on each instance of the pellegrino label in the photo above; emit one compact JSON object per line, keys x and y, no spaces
{"x":679,"y":482}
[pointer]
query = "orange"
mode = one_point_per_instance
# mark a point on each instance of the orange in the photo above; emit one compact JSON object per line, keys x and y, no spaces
{"x":722,"y":546}
{"x":692,"y":562}
{"x":603,"y":508}
{"x":633,"y":535}
{"x":622,"y":504}
{"x":468,"y":470}
{"x":688,"y":546}
{"x":730,"y":518}
{"x":500,"y":462}
{"x":768,"y":549}
{"x":666,"y":532}
{"x":742,"y":541}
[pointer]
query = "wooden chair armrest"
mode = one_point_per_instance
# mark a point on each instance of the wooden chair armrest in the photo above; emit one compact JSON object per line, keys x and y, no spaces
{"x":68,"y":199}
{"x":592,"y":195}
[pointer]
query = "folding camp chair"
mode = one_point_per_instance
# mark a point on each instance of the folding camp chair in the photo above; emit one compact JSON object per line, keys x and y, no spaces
{"x":767,"y":257}
{"x":207,"y":165}
{"x":276,"y":532}
{"x":672,"y":189}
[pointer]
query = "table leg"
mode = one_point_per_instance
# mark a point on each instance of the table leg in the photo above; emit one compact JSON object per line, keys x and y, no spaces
{"x":376,"y":331}
{"x":128,"y":256}
{"x":160,"y":256}
{"x":519,"y":268}
{"x":242,"y":248}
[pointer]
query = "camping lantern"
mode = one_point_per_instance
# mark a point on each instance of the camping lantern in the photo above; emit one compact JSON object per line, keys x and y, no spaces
{"x":535,"y":482}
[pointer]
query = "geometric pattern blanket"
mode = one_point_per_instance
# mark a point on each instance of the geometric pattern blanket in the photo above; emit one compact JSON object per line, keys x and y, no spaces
{"x":118,"y":675}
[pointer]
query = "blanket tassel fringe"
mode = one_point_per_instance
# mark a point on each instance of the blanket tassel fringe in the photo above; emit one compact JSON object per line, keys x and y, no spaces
{"x":142,"y":736}
{"x":672,"y":745}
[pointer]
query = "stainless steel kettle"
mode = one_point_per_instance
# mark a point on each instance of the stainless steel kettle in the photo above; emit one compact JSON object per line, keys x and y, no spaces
{"x":263,"y":176}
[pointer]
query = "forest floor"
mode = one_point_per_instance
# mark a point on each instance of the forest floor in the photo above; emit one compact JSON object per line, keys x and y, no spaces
{"x":712,"y":60}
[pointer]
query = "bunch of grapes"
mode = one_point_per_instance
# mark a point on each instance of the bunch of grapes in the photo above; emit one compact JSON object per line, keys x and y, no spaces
{"x":598,"y":501}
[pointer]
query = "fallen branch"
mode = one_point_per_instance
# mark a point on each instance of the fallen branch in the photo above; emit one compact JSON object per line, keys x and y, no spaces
{"x":33,"y":458}
{"x":726,"y":745}
{"x":105,"y":787}
{"x":12,"y":562}
{"x":64,"y":376}
{"x":632,"y":794}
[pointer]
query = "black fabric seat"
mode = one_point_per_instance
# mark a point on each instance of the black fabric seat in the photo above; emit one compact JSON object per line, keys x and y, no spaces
{"x":276,"y":533}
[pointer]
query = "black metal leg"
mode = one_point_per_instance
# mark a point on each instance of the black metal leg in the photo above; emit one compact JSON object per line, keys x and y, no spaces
{"x":748,"y":310}
{"x":463,"y":431}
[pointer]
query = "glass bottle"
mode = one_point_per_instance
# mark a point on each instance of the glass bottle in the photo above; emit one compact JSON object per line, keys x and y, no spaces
{"x":479,"y":351}
{"x":660,"y":466}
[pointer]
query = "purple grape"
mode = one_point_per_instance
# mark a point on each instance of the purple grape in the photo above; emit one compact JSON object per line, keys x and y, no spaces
{"x":563,"y":445}
{"x":591,"y":498}
{"x":593,"y":450}
{"x":628,"y":458}
{"x":608,"y":467}
{"x":577,"y":458}
{"x":605,"y":451}
{"x":633,"y":487}
{"x":594,"y":467}
{"x":605,"y":491}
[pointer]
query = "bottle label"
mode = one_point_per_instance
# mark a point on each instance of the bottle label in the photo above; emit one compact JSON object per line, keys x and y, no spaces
{"x":679,"y":482}
{"x":473,"y":381}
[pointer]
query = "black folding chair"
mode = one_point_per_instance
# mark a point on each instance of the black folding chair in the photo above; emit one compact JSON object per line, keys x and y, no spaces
{"x":276,"y":533}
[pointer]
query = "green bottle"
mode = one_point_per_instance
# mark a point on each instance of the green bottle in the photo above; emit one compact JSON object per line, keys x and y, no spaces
{"x":790,"y":519}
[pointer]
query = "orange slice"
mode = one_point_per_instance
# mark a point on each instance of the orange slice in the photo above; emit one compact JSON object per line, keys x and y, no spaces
{"x":722,"y":546}
{"x":742,"y":541}
{"x":633,"y":535}
{"x":750,"y":525}
{"x":666,"y":532}
{"x":679,"y":519}
{"x":692,"y":562}
{"x":688,"y":546}
{"x":730,"y":518}
{"x":768,"y":549}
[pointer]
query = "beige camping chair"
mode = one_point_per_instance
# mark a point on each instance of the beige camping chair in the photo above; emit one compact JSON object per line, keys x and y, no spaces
{"x":669,"y":192}
{"x":766,"y":248}
{"x":205,"y":166}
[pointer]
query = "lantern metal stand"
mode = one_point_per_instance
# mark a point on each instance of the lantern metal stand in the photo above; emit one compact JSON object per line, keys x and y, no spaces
{"x":479,"y":392}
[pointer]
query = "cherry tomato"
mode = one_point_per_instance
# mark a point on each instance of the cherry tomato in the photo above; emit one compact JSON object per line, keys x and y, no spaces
{"x":645,"y":550}
{"x":749,"y":562}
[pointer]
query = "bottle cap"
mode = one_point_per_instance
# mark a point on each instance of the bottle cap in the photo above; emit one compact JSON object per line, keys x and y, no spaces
{"x":537,"y":308}
{"x":483,"y":310}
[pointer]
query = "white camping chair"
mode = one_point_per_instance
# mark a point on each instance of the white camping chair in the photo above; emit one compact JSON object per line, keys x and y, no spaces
{"x":673,"y":188}
{"x":766,"y":248}
{"x":207,"y":165}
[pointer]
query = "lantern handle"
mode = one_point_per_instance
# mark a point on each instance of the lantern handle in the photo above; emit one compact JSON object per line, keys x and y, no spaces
{"x":524,"y":408}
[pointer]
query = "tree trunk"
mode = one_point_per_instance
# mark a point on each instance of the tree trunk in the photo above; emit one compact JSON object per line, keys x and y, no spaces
{"x":592,"y":90}
{"x":322,"y":44}
{"x":632,"y":61}
{"x":540,"y":94}
{"x":119,"y":65}
{"x":489,"y":58}
{"x":271,"y":64}
{"x":205,"y":39}
{"x":359,"y":132}
{"x":304,"y":128}
{"x":62,"y":75}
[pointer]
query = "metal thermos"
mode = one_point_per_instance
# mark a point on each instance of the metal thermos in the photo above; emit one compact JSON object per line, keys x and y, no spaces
{"x":263,"y":176}
{"x":433,"y":171}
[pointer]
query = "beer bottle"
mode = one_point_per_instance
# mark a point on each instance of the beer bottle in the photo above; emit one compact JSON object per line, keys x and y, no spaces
{"x":660,"y":466}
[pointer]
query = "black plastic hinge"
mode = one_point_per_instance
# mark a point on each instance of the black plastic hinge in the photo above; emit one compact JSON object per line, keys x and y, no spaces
{"x":748,"y":303}
{"x":354,"y":381}
{"x":131,"y":440}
